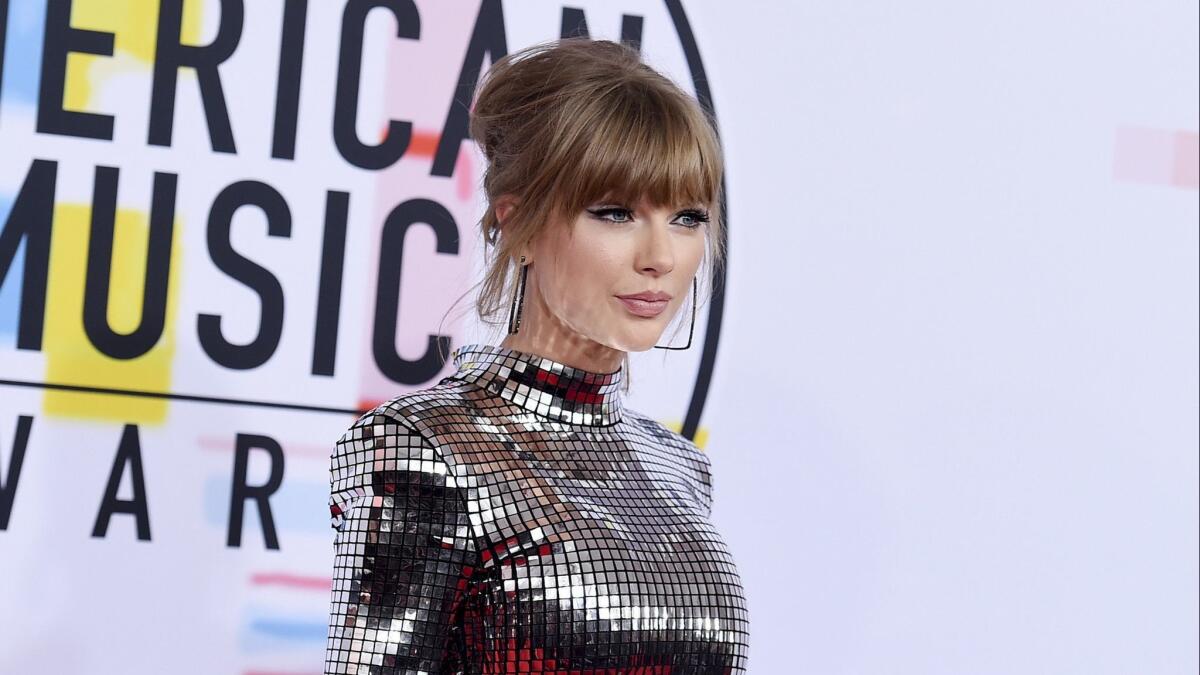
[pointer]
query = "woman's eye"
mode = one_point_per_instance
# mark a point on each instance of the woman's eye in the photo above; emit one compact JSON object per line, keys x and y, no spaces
{"x":690,"y":219}
{"x":693,"y":218}
{"x":615,"y":215}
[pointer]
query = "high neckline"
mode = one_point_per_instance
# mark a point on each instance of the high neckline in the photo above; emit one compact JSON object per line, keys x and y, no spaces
{"x":541,"y":385}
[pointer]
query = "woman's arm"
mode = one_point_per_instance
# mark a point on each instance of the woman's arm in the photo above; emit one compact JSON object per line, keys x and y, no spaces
{"x":404,"y":551}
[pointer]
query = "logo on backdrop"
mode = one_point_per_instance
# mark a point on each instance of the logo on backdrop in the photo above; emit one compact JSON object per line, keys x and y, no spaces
{"x":99,"y":106}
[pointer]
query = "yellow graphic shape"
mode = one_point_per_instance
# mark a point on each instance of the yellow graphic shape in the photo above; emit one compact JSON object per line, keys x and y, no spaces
{"x":134,"y":25}
{"x":70,"y":356}
{"x":701,"y":439}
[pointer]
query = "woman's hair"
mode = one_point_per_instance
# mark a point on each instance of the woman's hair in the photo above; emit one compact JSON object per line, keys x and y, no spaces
{"x":569,"y":122}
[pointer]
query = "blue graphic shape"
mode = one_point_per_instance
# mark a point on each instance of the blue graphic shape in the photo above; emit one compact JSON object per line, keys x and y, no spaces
{"x":289,"y":629}
{"x":10,"y":286}
{"x":23,"y":53}
{"x":278,"y":630}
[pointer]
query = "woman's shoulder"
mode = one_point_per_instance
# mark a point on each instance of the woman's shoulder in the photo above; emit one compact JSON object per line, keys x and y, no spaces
{"x":421,"y":411}
{"x":656,"y":429}
{"x":390,"y":444}
{"x":686,"y":454}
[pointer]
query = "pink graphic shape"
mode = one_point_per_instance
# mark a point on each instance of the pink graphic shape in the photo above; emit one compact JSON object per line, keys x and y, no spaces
{"x":287,"y":580}
{"x":1165,"y":157}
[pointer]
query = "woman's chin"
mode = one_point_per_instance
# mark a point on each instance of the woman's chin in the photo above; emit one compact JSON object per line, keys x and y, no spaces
{"x":641,"y":343}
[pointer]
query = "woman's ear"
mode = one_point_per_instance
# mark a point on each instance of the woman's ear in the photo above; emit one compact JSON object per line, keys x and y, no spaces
{"x":504,"y":206}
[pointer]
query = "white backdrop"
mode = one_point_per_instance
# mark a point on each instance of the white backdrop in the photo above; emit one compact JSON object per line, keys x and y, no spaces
{"x":953,"y":411}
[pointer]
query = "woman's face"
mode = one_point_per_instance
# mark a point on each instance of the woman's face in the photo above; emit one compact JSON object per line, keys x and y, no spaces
{"x":577,"y":296}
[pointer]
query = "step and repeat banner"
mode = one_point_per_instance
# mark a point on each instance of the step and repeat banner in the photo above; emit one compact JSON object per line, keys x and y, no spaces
{"x":228,"y":227}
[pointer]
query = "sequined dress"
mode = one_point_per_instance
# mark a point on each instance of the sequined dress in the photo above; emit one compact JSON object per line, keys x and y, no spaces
{"x":516,"y":517}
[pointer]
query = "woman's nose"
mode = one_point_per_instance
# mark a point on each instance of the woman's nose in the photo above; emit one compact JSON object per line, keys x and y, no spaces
{"x":656,"y":253}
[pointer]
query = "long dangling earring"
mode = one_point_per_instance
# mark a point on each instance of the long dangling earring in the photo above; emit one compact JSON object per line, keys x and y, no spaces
{"x":692,"y":328}
{"x":518,"y":303}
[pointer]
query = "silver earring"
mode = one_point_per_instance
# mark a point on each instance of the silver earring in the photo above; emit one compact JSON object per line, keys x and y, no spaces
{"x":692,"y":328}
{"x":514,"y":322}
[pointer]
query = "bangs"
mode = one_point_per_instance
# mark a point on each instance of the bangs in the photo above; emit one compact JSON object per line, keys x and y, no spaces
{"x":637,"y":143}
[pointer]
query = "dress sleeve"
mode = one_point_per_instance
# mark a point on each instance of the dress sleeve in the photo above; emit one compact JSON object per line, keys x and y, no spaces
{"x":403,"y":552}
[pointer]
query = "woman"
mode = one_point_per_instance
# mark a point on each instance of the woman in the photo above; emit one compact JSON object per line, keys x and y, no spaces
{"x":516,"y":517}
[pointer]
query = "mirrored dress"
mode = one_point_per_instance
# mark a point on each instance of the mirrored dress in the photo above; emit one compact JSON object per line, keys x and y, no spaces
{"x":516,"y":517}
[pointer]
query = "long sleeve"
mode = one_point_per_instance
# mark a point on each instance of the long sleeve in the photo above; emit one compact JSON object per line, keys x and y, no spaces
{"x":404,"y":553}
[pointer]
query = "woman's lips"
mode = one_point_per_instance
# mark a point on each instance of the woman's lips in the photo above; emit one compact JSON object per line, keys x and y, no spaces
{"x":644,"y":307}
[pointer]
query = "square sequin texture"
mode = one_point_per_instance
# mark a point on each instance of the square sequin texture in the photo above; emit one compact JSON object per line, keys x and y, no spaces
{"x":518,"y":518}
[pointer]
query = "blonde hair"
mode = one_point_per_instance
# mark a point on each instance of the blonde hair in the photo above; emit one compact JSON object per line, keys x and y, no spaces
{"x":568,"y":122}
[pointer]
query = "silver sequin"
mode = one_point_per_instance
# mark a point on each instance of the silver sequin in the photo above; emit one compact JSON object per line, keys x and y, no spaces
{"x":517,"y":518}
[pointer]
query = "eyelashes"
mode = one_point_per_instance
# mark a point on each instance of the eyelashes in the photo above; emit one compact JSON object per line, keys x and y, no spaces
{"x":700,"y":217}
{"x":697,"y":216}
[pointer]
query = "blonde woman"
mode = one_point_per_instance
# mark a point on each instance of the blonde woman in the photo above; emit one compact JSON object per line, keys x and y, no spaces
{"x":517,"y":517}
